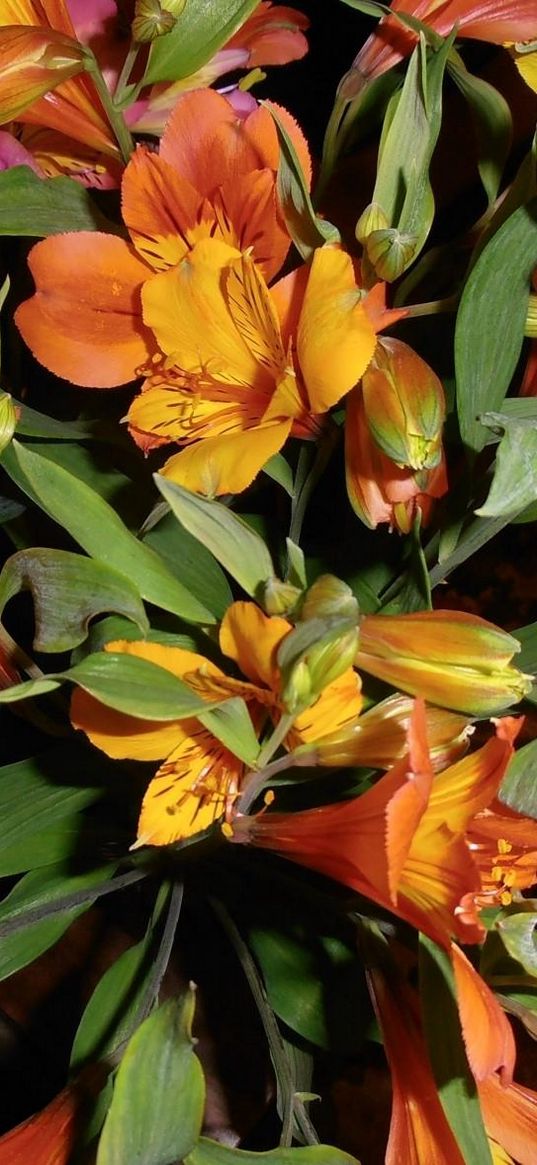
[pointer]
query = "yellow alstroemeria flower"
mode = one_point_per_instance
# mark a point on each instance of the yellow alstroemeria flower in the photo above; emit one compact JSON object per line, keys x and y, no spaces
{"x":199,"y":778}
{"x":243,"y":367}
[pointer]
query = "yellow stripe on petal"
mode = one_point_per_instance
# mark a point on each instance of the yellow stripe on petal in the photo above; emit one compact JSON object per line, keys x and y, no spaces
{"x":226,"y":464}
{"x":251,"y":639}
{"x":338,"y":706}
{"x":192,"y":789}
{"x":335,"y":339}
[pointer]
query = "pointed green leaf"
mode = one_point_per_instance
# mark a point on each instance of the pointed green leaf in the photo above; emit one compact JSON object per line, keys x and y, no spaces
{"x":99,"y":530}
{"x":514,"y":485}
{"x":305,"y":227}
{"x":201,"y":29}
{"x":455,"y":1083}
{"x":231,"y":724}
{"x":157,"y":1106}
{"x":189,"y":560}
{"x":208,"y":1152}
{"x":68,"y":590}
{"x":234,"y":544}
{"x":492,"y":120}
{"x":491,"y":320}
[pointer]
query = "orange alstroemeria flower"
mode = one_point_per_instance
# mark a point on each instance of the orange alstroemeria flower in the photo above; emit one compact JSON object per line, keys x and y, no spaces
{"x":504,"y":847}
{"x":73,"y":108}
{"x":200,"y":779}
{"x":403,"y":842}
{"x":490,"y":20}
{"x":220,"y":181}
{"x":510,"y":1115}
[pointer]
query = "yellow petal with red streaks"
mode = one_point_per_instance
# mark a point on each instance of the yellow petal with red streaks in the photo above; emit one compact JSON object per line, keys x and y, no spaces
{"x":191,"y":790}
{"x":251,"y":639}
{"x":335,"y":340}
{"x":229,"y":463}
{"x":84,"y":322}
{"x":121,"y":736}
{"x":337,"y":706}
{"x":488,"y":1036}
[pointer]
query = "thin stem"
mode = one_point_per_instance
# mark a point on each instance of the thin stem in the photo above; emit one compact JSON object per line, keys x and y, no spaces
{"x":163,"y":957}
{"x":254,"y":781}
{"x":69,"y":901}
{"x":116,"y":119}
{"x":306,"y":486}
{"x":293,"y":1107}
{"x":126,"y":71}
{"x":433,"y":307}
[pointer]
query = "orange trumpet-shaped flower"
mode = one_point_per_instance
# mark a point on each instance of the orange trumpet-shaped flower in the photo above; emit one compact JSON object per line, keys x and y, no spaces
{"x":451,"y":658}
{"x":221,"y":181}
{"x":489,"y":20}
{"x":504,"y":847}
{"x":72,"y":107}
{"x":402,"y":843}
{"x":200,"y":778}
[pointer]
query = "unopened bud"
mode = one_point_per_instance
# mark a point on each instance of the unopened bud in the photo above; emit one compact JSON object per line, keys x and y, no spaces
{"x":151,"y":20}
{"x":297,"y":693}
{"x":328,"y":661}
{"x":372,"y":219}
{"x":8,"y":419}
{"x":330,"y":597}
{"x":531,"y":318}
{"x":280,"y":598}
{"x":404,"y":405}
{"x":390,"y":252}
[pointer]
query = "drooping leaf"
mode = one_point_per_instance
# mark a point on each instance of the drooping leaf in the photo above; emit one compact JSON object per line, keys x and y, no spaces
{"x":202,"y":28}
{"x":305,"y":227}
{"x":518,"y":789}
{"x":232,"y":542}
{"x":208,"y":1152}
{"x":37,"y":207}
{"x":231,"y":724}
{"x":157,"y":1105}
{"x":492,"y":120}
{"x":99,"y":530}
{"x":442,"y":1029}
{"x":68,"y":590}
{"x":514,"y":485}
{"x":490,"y":321}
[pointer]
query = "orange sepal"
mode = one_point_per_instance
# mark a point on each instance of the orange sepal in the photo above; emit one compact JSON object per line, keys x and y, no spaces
{"x":488,"y":1036}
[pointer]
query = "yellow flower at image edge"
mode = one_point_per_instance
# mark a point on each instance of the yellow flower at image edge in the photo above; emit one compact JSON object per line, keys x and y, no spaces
{"x":199,"y":779}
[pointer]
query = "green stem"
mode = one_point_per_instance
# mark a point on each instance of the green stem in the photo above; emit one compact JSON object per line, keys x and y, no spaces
{"x":126,"y":71}
{"x":254,"y":781}
{"x":116,"y":119}
{"x":308,"y":480}
{"x":433,"y":307}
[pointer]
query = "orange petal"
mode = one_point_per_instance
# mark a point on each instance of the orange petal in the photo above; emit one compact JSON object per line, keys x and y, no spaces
{"x":191,"y":790}
{"x":272,"y":35}
{"x":159,"y":208}
{"x":335,"y":340}
{"x":84,"y":322}
{"x":251,"y":639}
{"x":337,"y":706}
{"x":226,"y":464}
{"x":48,"y":1138}
{"x":510,"y":1115}
{"x":488,"y":1036}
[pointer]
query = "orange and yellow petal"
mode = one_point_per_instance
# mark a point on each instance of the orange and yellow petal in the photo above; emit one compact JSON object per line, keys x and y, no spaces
{"x":336,"y":708}
{"x":195,"y":787}
{"x":159,"y":207}
{"x":488,"y":1035}
{"x":84,"y":322}
{"x":335,"y":340}
{"x":251,"y":639}
{"x":33,"y":61}
{"x":227,"y":464}
{"x":510,"y":1116}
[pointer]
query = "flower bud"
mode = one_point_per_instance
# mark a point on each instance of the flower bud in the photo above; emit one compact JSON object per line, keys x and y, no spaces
{"x":8,"y":419}
{"x":297,"y":693}
{"x":329,"y":597}
{"x":449,"y":657}
{"x":280,"y":598}
{"x":390,"y":252}
{"x":378,"y":738}
{"x":328,"y":661}
{"x":372,"y":219}
{"x":152,"y":20}
{"x":404,"y":405}
{"x":531,"y":318}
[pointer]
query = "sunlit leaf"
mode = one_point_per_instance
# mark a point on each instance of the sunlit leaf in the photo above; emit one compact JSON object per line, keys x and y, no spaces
{"x":202,"y":28}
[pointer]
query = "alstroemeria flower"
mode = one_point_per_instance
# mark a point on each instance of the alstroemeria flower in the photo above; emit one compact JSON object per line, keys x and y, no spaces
{"x":199,"y":778}
{"x":72,"y":108}
{"x":490,"y":20}
{"x":504,"y":847}
{"x":403,"y":842}
{"x":451,"y":658}
{"x":48,"y":1138}
{"x":219,"y":181}
{"x":510,"y":1115}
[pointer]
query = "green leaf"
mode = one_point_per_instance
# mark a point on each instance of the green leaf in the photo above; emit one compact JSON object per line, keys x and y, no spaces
{"x":208,"y":1152}
{"x":455,"y":1083}
{"x":157,"y":1106}
{"x":517,"y":932}
{"x":305,"y":227}
{"x":491,"y":319}
{"x":38,"y":795}
{"x":492,"y":120}
{"x":109,"y":1016}
{"x":68,"y":590}
{"x":280,"y":471}
{"x":189,"y":560}
{"x":232,"y":542}
{"x":36,"y":207}
{"x":518,"y":789}
{"x":40,"y":888}
{"x":231,"y":724}
{"x":475,"y":535}
{"x":99,"y":530}
{"x":202,"y":28}
{"x":514,"y":485}
{"x":127,"y":683}
{"x":527,"y":637}
{"x":32,"y":423}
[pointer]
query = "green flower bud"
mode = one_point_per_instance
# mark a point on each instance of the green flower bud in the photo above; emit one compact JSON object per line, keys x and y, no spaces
{"x":329,"y":597}
{"x":280,"y":598}
{"x":8,"y":419}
